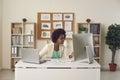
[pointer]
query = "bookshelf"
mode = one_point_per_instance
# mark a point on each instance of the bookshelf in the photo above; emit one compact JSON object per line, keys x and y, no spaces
{"x":23,"y":35}
{"x":95,"y":29}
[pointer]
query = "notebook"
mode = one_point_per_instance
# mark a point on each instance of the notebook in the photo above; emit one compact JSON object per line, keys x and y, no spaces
{"x":31,"y":55}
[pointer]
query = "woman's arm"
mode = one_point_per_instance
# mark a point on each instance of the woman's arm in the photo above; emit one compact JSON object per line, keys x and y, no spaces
{"x":43,"y":51}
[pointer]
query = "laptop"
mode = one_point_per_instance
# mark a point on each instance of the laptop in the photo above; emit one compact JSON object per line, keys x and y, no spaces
{"x":31,"y":55}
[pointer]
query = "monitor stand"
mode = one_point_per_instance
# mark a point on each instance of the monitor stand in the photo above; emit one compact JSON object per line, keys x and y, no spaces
{"x":89,"y":54}
{"x":86,"y":60}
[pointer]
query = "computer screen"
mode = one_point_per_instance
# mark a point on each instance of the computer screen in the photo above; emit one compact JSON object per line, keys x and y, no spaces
{"x":83,"y":47}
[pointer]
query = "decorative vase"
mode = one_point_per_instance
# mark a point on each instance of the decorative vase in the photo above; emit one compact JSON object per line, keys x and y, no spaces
{"x":24,"y":19}
{"x":113,"y":67}
{"x":88,"y":20}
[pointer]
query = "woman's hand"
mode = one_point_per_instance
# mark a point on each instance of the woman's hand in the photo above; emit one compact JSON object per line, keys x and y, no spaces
{"x":71,"y":55}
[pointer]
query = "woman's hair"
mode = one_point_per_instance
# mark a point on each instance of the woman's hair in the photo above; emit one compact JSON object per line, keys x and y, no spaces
{"x":56,"y":33}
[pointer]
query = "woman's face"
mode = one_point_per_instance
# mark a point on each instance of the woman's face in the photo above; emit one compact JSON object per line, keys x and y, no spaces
{"x":61,"y":39}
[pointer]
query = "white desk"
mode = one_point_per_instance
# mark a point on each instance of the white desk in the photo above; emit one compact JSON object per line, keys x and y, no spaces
{"x":53,"y":70}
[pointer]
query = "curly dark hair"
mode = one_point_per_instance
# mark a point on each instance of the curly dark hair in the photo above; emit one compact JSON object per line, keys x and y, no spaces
{"x":56,"y":33}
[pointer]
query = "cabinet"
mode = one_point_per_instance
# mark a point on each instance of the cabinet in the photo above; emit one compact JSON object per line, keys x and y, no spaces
{"x":95,"y":29}
{"x":23,"y":35}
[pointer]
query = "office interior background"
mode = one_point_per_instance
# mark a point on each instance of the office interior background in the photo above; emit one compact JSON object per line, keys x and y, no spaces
{"x":105,"y":12}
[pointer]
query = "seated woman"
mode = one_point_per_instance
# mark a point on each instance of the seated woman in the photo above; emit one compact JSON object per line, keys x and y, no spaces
{"x":56,"y":49}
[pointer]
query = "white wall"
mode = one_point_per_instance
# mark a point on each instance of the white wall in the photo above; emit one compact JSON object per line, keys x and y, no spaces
{"x":104,"y":11}
{"x":0,"y":34}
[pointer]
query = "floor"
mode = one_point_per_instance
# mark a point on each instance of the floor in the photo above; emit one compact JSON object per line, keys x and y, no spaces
{"x":105,"y":75}
{"x":6,"y":75}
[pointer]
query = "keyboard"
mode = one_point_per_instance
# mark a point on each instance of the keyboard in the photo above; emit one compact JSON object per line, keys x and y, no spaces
{"x":60,"y":60}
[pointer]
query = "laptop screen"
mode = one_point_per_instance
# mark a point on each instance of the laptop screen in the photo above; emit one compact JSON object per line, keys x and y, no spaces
{"x":30,"y":55}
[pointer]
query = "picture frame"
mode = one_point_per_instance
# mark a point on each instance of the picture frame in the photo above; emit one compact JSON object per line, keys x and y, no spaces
{"x":45,"y":16}
{"x":69,"y":34}
{"x":68,"y":16}
{"x":57,"y":16}
{"x":45,"y":25}
{"x":68,"y":26}
{"x":57,"y":25}
{"x":45,"y":34}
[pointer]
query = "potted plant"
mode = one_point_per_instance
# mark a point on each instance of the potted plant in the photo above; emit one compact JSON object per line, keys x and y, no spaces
{"x":82,"y":29}
{"x":113,"y":42}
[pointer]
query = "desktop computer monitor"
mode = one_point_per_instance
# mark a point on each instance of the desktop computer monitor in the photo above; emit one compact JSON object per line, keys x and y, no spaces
{"x":83,"y":47}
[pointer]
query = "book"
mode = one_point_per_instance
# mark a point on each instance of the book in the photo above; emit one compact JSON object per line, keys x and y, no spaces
{"x":16,"y":30}
{"x":16,"y":40}
{"x":96,"y":50}
{"x":96,"y":40}
{"x":30,"y":40}
{"x":95,"y":28}
{"x":14,"y":51}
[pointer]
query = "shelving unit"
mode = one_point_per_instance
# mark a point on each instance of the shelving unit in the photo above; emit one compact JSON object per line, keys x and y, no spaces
{"x":23,"y":35}
{"x":95,"y":29}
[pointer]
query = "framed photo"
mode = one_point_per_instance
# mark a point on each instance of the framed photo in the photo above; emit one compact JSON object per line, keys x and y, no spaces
{"x":45,"y":16}
{"x":69,"y":34}
{"x":45,"y":34}
{"x":57,"y":25}
{"x":68,"y":26}
{"x":68,"y":16}
{"x":57,"y":16}
{"x":46,"y":25}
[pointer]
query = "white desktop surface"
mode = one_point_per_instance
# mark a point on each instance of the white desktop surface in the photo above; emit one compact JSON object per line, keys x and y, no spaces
{"x":57,"y":70}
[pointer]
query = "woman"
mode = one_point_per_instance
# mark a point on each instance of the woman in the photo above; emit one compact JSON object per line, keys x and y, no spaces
{"x":56,"y":49}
